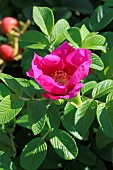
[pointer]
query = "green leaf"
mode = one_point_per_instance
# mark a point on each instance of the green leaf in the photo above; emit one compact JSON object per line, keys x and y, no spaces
{"x":53,"y":116}
{"x":83,"y":6}
{"x":84,"y":32}
{"x":105,"y":118}
{"x":33,"y":154}
{"x":64,"y":145}
{"x":10,"y":106}
{"x":58,"y":32}
{"x":86,"y":156}
{"x":99,"y":165}
{"x":43,"y":17}
{"x":109,"y":97}
{"x":52,"y":160}
{"x":11,"y":83}
{"x":7,"y":150}
{"x":110,"y":59}
{"x":84,"y":117}
{"x":94,"y":42}
{"x":105,"y":154}
{"x":109,"y":3}
{"x":102,"y":88}
{"x":109,"y":38}
{"x":35,"y":84}
{"x":5,"y":162}
{"x":28,"y":55}
{"x":73,"y":36}
{"x":27,"y":58}
{"x":101,"y":17}
{"x":2,"y":38}
{"x":69,"y":108}
{"x":102,"y":140}
{"x":88,"y":87}
{"x":4,"y":91}
{"x":26,"y":87}
{"x":100,"y":109}
{"x":61,"y":12}
{"x":23,"y":121}
{"x":5,"y":144}
{"x":21,"y":4}
{"x":34,"y":40}
{"x":76,"y":101}
{"x":69,"y":118}
{"x":4,"y":139}
{"x":97,"y":63}
{"x":37,"y":115}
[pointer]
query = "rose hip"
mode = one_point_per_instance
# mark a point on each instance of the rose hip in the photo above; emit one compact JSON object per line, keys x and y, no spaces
{"x":6,"y":52}
{"x":8,"y":23}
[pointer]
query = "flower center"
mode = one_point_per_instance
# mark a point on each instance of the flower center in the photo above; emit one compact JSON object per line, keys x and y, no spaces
{"x":61,"y":77}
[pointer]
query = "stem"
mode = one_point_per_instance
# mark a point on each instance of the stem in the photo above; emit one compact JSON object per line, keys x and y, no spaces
{"x":2,"y":67}
{"x":25,"y":27}
{"x":46,"y":134}
{"x":27,"y":99}
{"x":16,"y":46}
{"x":12,"y":138}
{"x":13,"y":145}
{"x":94,"y":99}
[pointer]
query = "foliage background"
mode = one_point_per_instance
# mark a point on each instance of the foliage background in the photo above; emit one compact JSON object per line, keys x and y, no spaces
{"x":89,"y":129}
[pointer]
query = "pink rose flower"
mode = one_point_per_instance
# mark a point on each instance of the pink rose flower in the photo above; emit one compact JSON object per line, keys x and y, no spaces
{"x":60,"y":72}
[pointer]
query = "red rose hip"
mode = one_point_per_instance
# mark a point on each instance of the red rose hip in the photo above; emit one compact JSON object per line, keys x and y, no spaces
{"x":6,"y":52}
{"x":8,"y":23}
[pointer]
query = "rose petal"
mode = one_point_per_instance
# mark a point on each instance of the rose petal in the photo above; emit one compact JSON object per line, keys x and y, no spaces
{"x":70,"y":67}
{"x":63,"y":50}
{"x":35,"y":70}
{"x":51,"y":63}
{"x":74,"y":91}
{"x":75,"y":62}
{"x":49,"y":85}
{"x":75,"y":59}
{"x":71,"y":94}
{"x":50,"y":96}
{"x":81,"y":73}
{"x":30,"y":73}
{"x":81,"y":56}
{"x":37,"y":60}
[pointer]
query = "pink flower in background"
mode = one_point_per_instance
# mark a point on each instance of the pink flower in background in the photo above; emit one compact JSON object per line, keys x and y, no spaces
{"x":60,"y":72}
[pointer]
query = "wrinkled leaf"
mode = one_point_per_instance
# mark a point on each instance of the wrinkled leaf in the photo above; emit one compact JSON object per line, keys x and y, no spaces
{"x":101,"y":17}
{"x":44,"y":18}
{"x":102,"y":88}
{"x":10,"y":106}
{"x":64,"y":144}
{"x":34,"y":40}
{"x":33,"y":154}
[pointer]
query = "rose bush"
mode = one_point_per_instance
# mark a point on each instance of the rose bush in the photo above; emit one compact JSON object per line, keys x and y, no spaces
{"x":60,"y":72}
